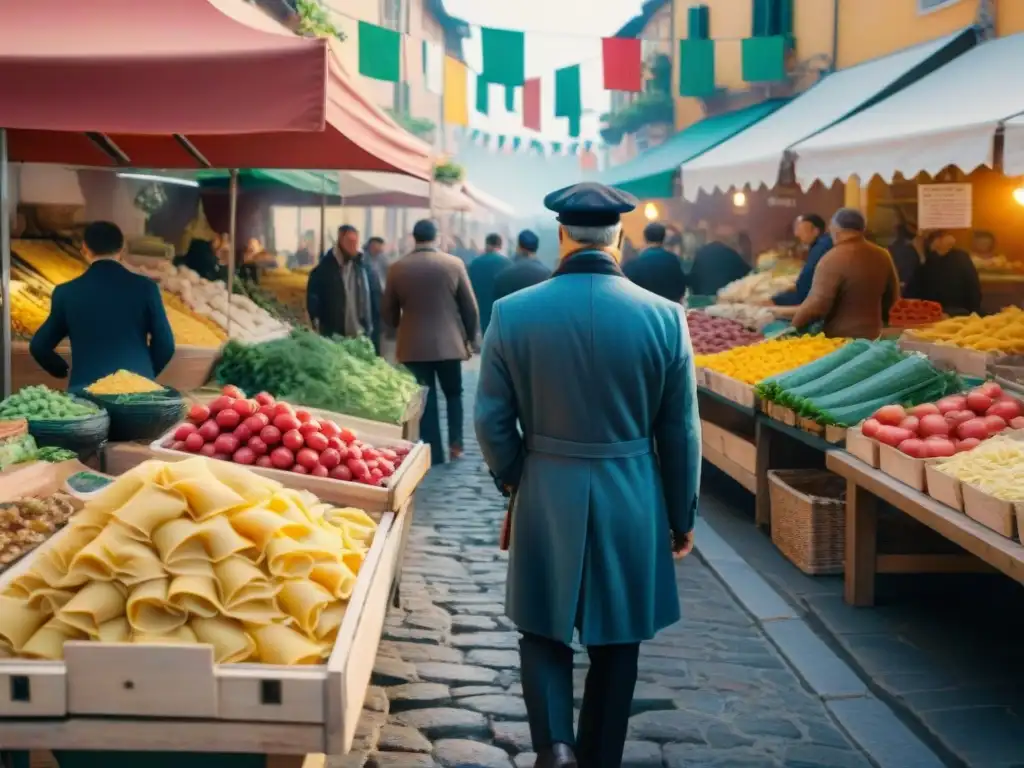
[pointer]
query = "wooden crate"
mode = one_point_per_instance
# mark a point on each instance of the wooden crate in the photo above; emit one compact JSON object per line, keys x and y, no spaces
{"x":737,"y":391}
{"x":864,"y":448}
{"x":995,"y":514}
{"x":740,"y":450}
{"x":944,"y":488}
{"x":904,"y":468}
{"x":175,"y":699}
{"x":967,"y":361}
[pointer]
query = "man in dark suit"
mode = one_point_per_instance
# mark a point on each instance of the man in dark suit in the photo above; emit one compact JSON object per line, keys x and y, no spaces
{"x":482,"y":272}
{"x":811,"y":231}
{"x":525,"y":269}
{"x":717,"y":263}
{"x":114,"y":318}
{"x":656,"y":269}
{"x":343,"y":293}
{"x":428,"y":298}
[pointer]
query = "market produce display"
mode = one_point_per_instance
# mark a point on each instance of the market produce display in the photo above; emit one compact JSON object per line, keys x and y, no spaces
{"x":27,"y":523}
{"x":39,"y":402}
{"x":54,"y":455}
{"x":756,"y":287}
{"x":195,"y":551}
{"x":954,"y":424}
{"x":850,"y":384}
{"x":748,"y":315}
{"x":290,"y":314}
{"x":996,"y":468}
{"x":123,"y":382}
{"x":29,"y":309}
{"x":275,"y":435}
{"x":288,"y":287}
{"x":16,"y":444}
{"x":1001,"y":332}
{"x":709,"y":334}
{"x":340,"y":375}
{"x":769,"y":358}
{"x":908,"y":313}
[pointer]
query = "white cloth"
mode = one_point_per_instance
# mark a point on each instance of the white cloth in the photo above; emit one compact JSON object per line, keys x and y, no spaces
{"x":433,"y":67}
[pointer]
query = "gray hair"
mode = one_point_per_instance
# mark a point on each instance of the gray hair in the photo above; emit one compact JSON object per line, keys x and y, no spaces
{"x":601,"y":236}
{"x":850,"y":220}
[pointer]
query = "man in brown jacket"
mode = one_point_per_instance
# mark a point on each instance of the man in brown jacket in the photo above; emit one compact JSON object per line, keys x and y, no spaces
{"x":855,"y":284}
{"x":428,"y":298}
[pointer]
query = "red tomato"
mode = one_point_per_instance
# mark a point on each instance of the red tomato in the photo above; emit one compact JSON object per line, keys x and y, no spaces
{"x":890,"y":415}
{"x":387,"y":467}
{"x":198,"y":413}
{"x":958,"y":417}
{"x":209,"y":430}
{"x":891,"y":435}
{"x":298,"y":469}
{"x":335,"y":443}
{"x":376,"y":476}
{"x":1006,"y":407}
{"x":264,"y":398}
{"x":354,"y":451}
{"x":244,"y":456}
{"x":934,"y":424}
{"x":329,"y":457}
{"x":243,"y":433}
{"x":307,"y":458}
{"x":270,"y":435}
{"x":226,"y":444}
{"x":995,"y":423}
{"x":370,"y":453}
{"x":320,"y":471}
{"x":329,"y":428}
{"x":924,"y":409}
{"x":220,"y":404}
{"x":176,"y":445}
{"x":282,"y":458}
{"x":268,"y":411}
{"x":869,"y":428}
{"x":292,"y":440}
{"x":940,"y":447}
{"x":265,"y":461}
{"x":286,"y":422}
{"x":979,"y":402}
{"x":257,"y":446}
{"x":387,"y":453}
{"x":208,"y":450}
{"x":952,"y":403}
{"x":1017,"y":423}
{"x":341,"y":472}
{"x":976,"y":428}
{"x":309,"y":427}
{"x":913,"y":423}
{"x":194,"y":442}
{"x":303,"y":415}
{"x":991,"y":389}
{"x":358,"y":467}
{"x":346,"y":434}
{"x":184,"y":430}
{"x":245,"y":408}
{"x":316,"y":441}
{"x":966,"y":445}
{"x":256,"y":423}
{"x":228,"y":419}
{"x":233,"y":392}
{"x":280,"y":408}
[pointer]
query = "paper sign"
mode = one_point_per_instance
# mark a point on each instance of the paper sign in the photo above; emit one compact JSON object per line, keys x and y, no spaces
{"x":944,"y":206}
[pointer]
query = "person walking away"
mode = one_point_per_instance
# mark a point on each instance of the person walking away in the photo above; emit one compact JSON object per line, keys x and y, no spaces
{"x":375,"y":258}
{"x":305,"y":256}
{"x":947,"y":275}
{"x":656,"y":269}
{"x":428,"y":298}
{"x":716,"y":264}
{"x":482,"y":272}
{"x":905,"y":257}
{"x":524,"y":271}
{"x":812,"y":233}
{"x":855,"y":284}
{"x":114,"y":318}
{"x":604,"y":476}
{"x":343,"y":293}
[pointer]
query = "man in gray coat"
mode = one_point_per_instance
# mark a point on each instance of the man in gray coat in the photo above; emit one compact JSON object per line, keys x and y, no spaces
{"x":603,"y":477}
{"x":428,"y":298}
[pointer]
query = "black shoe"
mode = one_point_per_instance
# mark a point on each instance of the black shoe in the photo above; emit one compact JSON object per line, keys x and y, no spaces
{"x":558,"y":755}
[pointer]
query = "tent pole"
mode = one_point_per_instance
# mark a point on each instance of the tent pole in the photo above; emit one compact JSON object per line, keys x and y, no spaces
{"x":232,"y":235}
{"x":5,"y":259}
{"x":323,"y":215}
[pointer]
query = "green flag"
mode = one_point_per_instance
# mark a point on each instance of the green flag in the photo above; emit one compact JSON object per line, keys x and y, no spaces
{"x":568,"y":98}
{"x":483,"y":101}
{"x":510,"y":98}
{"x":764,"y":59}
{"x":379,"y":52}
{"x":696,"y":68}
{"x":504,"y":56}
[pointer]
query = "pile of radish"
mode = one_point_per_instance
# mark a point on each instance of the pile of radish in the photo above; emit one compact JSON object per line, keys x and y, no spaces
{"x":952,"y":425}
{"x":272,"y":434}
{"x":710,"y":334}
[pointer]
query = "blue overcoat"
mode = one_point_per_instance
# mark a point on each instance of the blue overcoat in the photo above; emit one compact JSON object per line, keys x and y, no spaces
{"x":599,"y":374}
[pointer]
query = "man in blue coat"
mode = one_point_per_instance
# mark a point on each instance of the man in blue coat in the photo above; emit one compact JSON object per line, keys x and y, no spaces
{"x":811,"y":231}
{"x":525,"y":269}
{"x":483,"y":270}
{"x":603,"y":477}
{"x":113,"y":317}
{"x":658,"y":270}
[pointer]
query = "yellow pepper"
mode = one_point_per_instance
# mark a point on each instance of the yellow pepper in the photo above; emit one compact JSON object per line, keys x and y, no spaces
{"x":757,"y":362}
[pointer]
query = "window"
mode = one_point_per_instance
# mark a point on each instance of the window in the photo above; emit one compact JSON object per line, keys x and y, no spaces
{"x":927,"y":6}
{"x":391,"y":14}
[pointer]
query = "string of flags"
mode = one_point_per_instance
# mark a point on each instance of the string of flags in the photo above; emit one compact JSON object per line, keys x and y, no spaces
{"x":508,"y":144}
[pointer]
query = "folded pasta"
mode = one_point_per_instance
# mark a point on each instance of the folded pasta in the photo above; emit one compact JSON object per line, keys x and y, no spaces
{"x":197,"y":551}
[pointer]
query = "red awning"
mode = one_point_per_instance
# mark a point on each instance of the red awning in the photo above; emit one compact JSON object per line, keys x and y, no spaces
{"x":182,"y":85}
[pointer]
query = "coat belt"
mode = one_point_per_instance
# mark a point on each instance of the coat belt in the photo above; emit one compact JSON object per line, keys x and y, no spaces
{"x":571,"y":449}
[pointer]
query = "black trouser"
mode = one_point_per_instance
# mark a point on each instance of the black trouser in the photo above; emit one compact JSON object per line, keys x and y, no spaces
{"x":449,"y":376}
{"x":547,"y":666}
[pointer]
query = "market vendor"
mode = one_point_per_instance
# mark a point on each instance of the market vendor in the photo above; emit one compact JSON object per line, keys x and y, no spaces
{"x":811,"y":231}
{"x":717,"y":263}
{"x":947,"y":275}
{"x":854,"y":286}
{"x":114,"y":318}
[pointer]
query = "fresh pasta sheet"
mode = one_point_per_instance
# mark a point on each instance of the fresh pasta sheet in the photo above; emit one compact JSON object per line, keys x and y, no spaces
{"x":197,"y":551}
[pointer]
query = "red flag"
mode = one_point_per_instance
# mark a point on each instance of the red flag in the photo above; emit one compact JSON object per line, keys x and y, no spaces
{"x":531,"y":104}
{"x":623,"y":64}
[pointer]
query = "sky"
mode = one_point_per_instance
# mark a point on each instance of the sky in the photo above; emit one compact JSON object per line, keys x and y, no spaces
{"x":559,"y":33}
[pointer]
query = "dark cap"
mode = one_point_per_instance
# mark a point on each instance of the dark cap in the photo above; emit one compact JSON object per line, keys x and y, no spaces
{"x":590,"y":204}
{"x":424,"y":231}
{"x":529,"y":241}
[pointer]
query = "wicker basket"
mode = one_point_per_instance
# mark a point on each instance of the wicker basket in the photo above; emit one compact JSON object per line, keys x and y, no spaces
{"x":809,"y":519}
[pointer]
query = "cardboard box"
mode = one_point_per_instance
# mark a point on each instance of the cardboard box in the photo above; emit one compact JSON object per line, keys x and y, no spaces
{"x":904,"y":468}
{"x":944,"y":488}
{"x":862,"y":447}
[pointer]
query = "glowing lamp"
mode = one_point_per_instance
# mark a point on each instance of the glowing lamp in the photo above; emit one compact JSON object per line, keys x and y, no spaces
{"x":1018,"y":195}
{"x":650,"y":211}
{"x":739,"y":199}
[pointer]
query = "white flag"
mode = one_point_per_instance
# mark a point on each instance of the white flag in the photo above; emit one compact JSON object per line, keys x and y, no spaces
{"x":433,"y":67}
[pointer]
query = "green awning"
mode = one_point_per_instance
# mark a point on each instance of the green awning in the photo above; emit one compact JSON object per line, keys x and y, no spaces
{"x":313,"y":182}
{"x":651,"y":174}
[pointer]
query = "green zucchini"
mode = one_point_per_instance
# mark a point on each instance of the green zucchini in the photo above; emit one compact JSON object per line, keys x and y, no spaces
{"x":806,"y":373}
{"x":874,"y":360}
{"x":911,"y":371}
{"x":929,"y":392}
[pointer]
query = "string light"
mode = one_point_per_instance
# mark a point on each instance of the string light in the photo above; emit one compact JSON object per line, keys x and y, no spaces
{"x":1018,"y":195}
{"x":650,"y":211}
{"x":739,"y":200}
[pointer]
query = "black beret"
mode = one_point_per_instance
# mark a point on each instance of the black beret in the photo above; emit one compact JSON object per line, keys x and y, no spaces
{"x":529,"y":241}
{"x":590,"y":204}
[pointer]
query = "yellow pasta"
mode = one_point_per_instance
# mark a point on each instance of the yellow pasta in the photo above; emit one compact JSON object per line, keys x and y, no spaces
{"x":150,"y":610}
{"x":277,"y":644}
{"x":230,"y":641}
{"x":94,"y":604}
{"x":19,"y":621}
{"x":304,"y":601}
{"x":48,"y":642}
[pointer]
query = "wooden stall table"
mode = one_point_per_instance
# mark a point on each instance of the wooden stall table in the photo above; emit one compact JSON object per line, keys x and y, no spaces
{"x":728,"y":436}
{"x":866,"y":488}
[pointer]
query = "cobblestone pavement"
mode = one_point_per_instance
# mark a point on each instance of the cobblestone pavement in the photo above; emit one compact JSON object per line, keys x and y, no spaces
{"x":713,"y":691}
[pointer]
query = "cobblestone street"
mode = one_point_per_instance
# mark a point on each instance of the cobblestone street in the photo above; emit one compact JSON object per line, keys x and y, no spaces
{"x":713,"y":691}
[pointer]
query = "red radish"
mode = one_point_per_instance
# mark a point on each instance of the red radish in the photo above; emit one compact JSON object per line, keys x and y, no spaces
{"x":330,"y":458}
{"x":912,"y":423}
{"x":376,"y":476}
{"x":286,"y":422}
{"x":974,"y":428}
{"x":387,"y":467}
{"x":335,"y":443}
{"x":298,"y":469}
{"x":198,"y":413}
{"x":208,"y":450}
{"x":869,"y":429}
{"x":209,"y":430}
{"x":265,"y":461}
{"x":309,"y":427}
{"x":257,"y":446}
{"x":292,"y":440}
{"x":354,"y":451}
{"x":358,"y":467}
{"x":320,"y":471}
{"x":220,"y":404}
{"x":1017,"y":423}
{"x":958,"y":417}
{"x":329,"y":428}
{"x":346,"y":435}
{"x":270,"y":435}
{"x":991,"y":389}
{"x":371,"y":464}
{"x":914,"y":447}
{"x":891,"y":415}
{"x":403,"y":450}
{"x":244,"y":456}
{"x":1006,"y":407}
{"x":245,"y":408}
{"x":995,"y":423}
{"x":194,"y":442}
{"x":966,"y":445}
{"x":303,"y":415}
{"x":282,"y":458}
{"x":228,"y":419}
{"x":978,"y":402}
{"x":952,"y":403}
{"x":924,"y":409}
{"x":264,"y":398}
{"x":370,"y":453}
{"x":233,"y":392}
{"x":269,"y":411}
{"x":387,"y":453}
{"x":934,"y":424}
{"x":176,"y":445}
{"x":280,"y":408}
{"x":226,"y":444}
{"x":256,"y":423}
{"x":307,"y":458}
{"x":940,"y":447}
{"x":316,"y":441}
{"x":342,"y":472}
{"x":184,"y":430}
{"x":893,"y":436}
{"x":243,"y":433}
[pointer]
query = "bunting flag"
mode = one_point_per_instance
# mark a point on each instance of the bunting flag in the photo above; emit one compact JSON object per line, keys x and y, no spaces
{"x":504,"y":53}
{"x":433,"y":67}
{"x":483,"y":95}
{"x":518,"y":145}
{"x":510,"y":98}
{"x":456,"y":86}
{"x":531,"y":104}
{"x":380,"y":52}
{"x":568,"y":97}
{"x":622,"y":58}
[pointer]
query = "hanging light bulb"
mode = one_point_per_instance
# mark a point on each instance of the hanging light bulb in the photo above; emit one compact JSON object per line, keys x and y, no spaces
{"x":1018,"y":195}
{"x":650,"y":211}
{"x":739,"y":199}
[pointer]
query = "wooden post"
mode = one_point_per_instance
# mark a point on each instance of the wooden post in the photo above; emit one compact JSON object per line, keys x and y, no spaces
{"x":861,"y":545}
{"x":763,"y":437}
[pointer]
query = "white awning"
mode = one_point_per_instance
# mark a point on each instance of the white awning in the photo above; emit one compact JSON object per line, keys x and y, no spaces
{"x":1013,"y":147}
{"x":753,"y":157}
{"x":949,"y":117}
